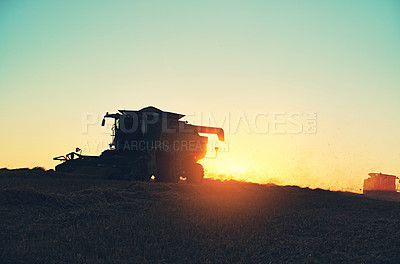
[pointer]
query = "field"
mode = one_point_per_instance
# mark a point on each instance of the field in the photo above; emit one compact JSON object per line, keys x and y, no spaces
{"x":50,"y":218}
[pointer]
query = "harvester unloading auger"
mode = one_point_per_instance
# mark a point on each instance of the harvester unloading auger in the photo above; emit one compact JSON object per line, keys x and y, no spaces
{"x":147,"y":144}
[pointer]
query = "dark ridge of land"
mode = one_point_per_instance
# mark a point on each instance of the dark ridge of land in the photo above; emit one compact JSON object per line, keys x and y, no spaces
{"x":47,"y":217}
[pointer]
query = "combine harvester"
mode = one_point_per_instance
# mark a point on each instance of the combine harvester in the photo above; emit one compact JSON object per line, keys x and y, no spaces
{"x":148,"y":144}
{"x":380,"y":183}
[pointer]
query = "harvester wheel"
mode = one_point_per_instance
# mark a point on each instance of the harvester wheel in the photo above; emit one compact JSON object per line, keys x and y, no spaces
{"x":165,"y":168}
{"x":139,"y":171}
{"x":195,"y":173}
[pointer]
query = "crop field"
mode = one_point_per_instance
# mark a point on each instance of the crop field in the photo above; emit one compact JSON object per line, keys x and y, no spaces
{"x":52,"y":218}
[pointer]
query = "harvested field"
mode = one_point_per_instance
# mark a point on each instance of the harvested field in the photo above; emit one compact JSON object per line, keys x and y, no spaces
{"x":51,"y":218}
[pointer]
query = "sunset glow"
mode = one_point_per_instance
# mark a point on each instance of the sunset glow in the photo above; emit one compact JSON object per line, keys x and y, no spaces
{"x":307,"y":93}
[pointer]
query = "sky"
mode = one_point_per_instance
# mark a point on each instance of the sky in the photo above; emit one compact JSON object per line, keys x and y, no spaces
{"x":307,"y":91}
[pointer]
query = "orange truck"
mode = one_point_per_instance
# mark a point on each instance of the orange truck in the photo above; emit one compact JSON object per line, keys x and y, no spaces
{"x":380,"y":182}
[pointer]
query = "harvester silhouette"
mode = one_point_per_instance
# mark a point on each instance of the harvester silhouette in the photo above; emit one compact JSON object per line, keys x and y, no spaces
{"x":147,"y":144}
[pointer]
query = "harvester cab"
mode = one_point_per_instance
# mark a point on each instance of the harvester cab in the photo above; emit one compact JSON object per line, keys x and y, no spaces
{"x":150,"y":143}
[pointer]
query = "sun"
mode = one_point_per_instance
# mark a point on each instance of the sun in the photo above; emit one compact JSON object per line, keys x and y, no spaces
{"x":226,"y":163}
{"x":236,"y":167}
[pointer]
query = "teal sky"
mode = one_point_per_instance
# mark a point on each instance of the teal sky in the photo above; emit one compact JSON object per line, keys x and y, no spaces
{"x":341,"y":59}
